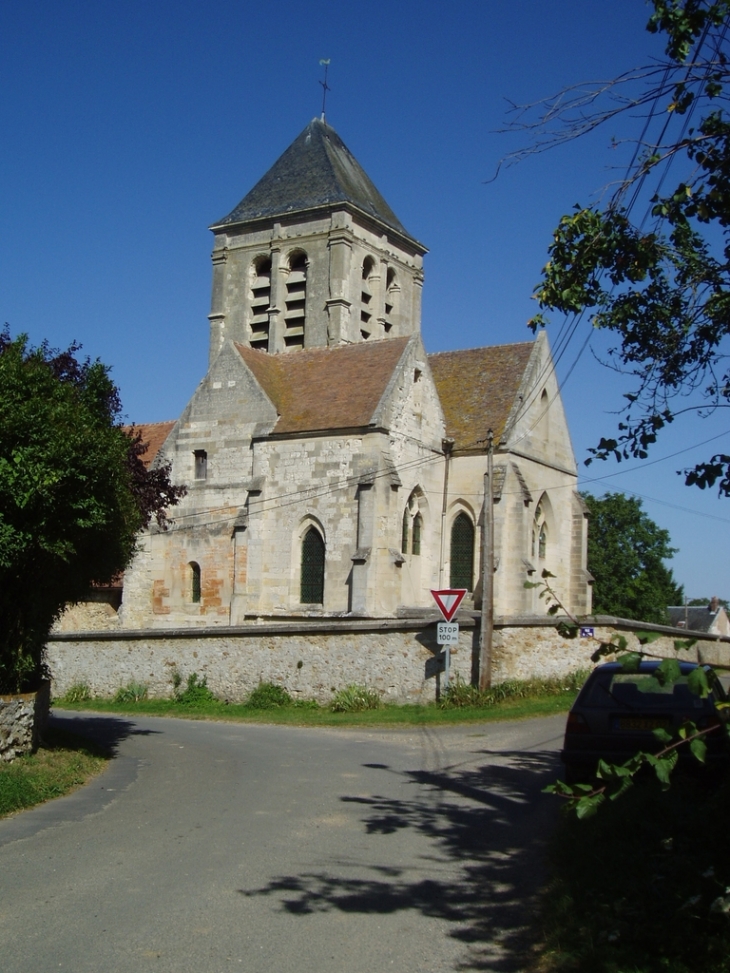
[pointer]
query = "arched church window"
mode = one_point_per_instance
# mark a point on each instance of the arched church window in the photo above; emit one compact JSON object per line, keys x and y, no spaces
{"x":462,"y":553}
{"x":295,"y":313}
{"x":312,"y":583}
{"x":539,"y":532}
{"x":194,"y":582}
{"x":366,"y":297}
{"x":417,"y":528}
{"x":260,"y":303}
{"x":391,"y":292}
{"x":412,"y":529}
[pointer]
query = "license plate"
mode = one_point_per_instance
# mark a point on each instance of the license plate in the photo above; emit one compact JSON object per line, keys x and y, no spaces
{"x":641,"y":723}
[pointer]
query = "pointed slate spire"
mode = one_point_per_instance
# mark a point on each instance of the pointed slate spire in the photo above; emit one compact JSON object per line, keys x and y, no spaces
{"x":316,"y":171}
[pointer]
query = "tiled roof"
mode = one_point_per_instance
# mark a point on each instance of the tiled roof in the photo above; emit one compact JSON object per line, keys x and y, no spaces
{"x":477,"y":388}
{"x":699,"y":618}
{"x":316,"y":170}
{"x":153,"y":433}
{"x":325,"y":388}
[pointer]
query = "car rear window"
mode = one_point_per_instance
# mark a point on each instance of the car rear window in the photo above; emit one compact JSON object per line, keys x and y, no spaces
{"x":640,"y":690}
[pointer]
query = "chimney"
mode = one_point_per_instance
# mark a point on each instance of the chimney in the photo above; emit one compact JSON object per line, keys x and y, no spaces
{"x":714,"y":605}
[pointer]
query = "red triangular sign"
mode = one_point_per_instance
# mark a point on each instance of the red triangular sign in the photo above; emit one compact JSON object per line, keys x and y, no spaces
{"x":448,"y":600}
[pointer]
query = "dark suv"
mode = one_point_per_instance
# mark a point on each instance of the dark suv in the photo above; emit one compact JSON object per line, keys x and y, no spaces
{"x":616,"y":713}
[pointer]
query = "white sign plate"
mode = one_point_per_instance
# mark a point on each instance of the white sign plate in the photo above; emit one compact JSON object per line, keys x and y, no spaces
{"x":447,"y":633}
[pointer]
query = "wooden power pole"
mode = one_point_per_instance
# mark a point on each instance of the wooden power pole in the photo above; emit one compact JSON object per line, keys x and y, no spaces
{"x":487,"y":621}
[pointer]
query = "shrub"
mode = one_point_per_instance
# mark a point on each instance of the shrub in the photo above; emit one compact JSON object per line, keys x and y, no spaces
{"x":131,"y":693}
{"x":464,"y":694}
{"x":78,"y":693}
{"x":267,"y":695}
{"x":196,"y":692}
{"x":355,"y":699}
{"x":460,"y":694}
{"x":306,"y":704}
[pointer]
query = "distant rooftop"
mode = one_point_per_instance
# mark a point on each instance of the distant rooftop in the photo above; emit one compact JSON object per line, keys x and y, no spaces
{"x":695,"y":618}
{"x":317,"y":170}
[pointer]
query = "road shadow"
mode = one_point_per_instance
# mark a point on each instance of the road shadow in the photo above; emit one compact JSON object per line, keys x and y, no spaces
{"x":104,"y":732}
{"x":491,"y":823}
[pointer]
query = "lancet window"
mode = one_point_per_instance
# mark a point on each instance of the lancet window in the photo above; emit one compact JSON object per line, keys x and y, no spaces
{"x":260,"y":303}
{"x":312,"y":582}
{"x":462,"y":553}
{"x":295,"y":314}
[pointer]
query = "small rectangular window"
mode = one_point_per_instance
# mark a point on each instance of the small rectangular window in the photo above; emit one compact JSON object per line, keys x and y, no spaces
{"x":201,"y":464}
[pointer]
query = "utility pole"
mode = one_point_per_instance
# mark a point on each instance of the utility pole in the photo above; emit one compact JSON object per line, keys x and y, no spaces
{"x":487,"y":621}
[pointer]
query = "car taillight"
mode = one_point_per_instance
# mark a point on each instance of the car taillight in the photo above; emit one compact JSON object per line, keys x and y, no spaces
{"x":577,"y":724}
{"x":709,"y":721}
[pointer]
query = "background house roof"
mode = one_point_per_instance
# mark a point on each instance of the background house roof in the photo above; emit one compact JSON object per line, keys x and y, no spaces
{"x":325,"y":388}
{"x":477,"y":388}
{"x":698,"y":618}
{"x":316,"y":170}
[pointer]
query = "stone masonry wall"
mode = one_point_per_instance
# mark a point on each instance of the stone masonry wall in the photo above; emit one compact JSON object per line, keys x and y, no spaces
{"x":22,"y":720}
{"x":311,"y":659}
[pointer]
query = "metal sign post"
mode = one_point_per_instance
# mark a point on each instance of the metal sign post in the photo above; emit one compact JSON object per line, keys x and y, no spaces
{"x":447,"y":634}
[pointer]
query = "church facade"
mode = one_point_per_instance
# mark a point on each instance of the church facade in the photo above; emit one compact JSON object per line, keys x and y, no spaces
{"x":334,"y":468}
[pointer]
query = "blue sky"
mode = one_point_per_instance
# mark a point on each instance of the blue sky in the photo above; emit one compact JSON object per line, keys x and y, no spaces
{"x":129,"y":128}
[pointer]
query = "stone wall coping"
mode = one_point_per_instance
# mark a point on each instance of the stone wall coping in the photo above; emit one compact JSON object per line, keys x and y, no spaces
{"x":303,"y":626}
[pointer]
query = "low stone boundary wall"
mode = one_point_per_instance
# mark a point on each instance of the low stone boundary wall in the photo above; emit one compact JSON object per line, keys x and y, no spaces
{"x":22,"y":721}
{"x":311,"y":659}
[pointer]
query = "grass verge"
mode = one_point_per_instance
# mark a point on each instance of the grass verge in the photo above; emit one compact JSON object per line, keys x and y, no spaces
{"x":352,"y":706}
{"x":405,"y":716}
{"x":62,"y":763}
{"x":643,"y":886}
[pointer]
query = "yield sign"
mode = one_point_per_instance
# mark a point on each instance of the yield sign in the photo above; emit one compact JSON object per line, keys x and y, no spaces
{"x":448,"y":600}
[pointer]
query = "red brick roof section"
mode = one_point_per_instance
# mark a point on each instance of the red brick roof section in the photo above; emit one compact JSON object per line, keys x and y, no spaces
{"x":154,"y":433}
{"x":477,"y":388}
{"x":325,"y":388}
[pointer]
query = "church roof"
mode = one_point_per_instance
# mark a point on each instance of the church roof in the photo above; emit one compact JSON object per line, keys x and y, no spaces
{"x":317,"y":170}
{"x":154,"y":434}
{"x":325,"y":388}
{"x":477,"y":388}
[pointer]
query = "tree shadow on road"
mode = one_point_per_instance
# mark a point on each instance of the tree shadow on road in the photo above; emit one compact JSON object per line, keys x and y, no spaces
{"x":104,"y":732}
{"x":489,"y":823}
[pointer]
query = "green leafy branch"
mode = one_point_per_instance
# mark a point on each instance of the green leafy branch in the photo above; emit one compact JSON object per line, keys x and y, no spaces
{"x":585,"y":799}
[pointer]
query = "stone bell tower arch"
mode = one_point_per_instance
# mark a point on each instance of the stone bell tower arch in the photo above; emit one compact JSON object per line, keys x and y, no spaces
{"x":313,"y":257}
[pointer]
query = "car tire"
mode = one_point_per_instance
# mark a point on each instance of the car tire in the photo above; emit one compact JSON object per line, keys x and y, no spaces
{"x":576,"y":775}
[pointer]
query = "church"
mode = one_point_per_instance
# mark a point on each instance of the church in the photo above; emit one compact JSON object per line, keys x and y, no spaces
{"x":335,"y":470}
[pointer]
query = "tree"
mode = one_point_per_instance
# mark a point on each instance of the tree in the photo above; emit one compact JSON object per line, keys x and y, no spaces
{"x":74,"y":493}
{"x":702,"y":602}
{"x":660,"y":283}
{"x":626,"y":554}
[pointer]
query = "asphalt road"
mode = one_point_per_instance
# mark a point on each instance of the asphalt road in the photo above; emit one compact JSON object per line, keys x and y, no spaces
{"x":212,"y":847}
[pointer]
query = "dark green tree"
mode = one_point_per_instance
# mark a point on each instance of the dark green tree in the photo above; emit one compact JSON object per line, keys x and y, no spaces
{"x":626,"y":555}
{"x":652,"y":265}
{"x":74,"y":493}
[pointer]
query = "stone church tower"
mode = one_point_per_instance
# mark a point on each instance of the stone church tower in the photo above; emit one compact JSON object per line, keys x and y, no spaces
{"x":313,"y":257}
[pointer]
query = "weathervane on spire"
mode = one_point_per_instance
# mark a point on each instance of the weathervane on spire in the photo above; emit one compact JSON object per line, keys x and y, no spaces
{"x":325,"y":62}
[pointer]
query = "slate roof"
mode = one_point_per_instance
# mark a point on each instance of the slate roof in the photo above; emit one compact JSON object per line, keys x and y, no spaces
{"x":699,"y":617}
{"x":317,"y":170}
{"x":477,"y":388}
{"x":325,"y":388}
{"x":154,"y":433}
